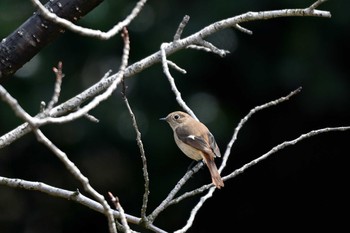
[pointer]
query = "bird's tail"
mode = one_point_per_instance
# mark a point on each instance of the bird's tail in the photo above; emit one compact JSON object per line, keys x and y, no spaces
{"x":215,"y":176}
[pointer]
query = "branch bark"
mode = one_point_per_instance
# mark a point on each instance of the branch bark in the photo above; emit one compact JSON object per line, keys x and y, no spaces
{"x":37,"y":32}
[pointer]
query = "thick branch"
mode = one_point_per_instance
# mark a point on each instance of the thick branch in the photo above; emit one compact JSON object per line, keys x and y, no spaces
{"x":34,"y":34}
{"x":75,"y":196}
{"x":61,"y":193}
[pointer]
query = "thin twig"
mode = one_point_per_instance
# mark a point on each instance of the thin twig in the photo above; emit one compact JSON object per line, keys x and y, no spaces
{"x":245,"y":167}
{"x":284,"y":145}
{"x":181,"y":27}
{"x":57,"y":90}
{"x":143,"y":158}
{"x":242,"y":29}
{"x":195,"y":210}
{"x":245,"y":119}
{"x":176,"y":67}
{"x":317,"y":4}
{"x":171,"y":80}
{"x":142,"y":152}
{"x":167,"y":201}
{"x":119,"y":207}
{"x":209,"y":47}
{"x":17,"y":109}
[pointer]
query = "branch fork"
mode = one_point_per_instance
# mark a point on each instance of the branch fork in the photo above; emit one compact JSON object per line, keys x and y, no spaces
{"x":53,"y":113}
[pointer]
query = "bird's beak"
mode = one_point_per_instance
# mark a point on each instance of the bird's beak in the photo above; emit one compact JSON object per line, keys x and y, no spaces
{"x":162,"y":119}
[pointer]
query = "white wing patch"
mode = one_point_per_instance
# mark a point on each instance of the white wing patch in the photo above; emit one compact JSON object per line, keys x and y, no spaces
{"x":191,"y":137}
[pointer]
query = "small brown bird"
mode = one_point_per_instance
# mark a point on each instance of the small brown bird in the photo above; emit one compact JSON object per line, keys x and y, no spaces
{"x":195,"y":140}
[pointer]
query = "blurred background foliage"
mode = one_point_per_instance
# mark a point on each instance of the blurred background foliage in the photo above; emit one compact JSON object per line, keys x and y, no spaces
{"x":301,"y":186}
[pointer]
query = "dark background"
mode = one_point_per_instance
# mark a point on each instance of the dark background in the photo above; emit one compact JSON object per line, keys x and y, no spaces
{"x":303,"y":187}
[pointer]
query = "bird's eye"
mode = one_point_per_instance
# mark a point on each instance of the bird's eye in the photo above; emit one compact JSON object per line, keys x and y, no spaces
{"x":176,"y":117}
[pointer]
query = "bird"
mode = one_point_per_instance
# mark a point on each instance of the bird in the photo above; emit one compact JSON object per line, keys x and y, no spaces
{"x":196,"y":141}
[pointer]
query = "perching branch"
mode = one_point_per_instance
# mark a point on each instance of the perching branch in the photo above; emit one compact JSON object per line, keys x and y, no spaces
{"x":143,"y":64}
{"x":243,"y":168}
{"x":108,"y":84}
{"x":170,"y":198}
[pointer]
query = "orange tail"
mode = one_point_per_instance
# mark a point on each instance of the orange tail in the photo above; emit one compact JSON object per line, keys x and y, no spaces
{"x":215,"y":176}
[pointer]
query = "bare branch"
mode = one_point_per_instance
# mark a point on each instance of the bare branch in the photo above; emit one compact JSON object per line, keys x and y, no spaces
{"x":209,"y":47}
{"x":172,"y":81}
{"x":227,"y":153}
{"x":143,"y":158}
{"x":118,"y":206}
{"x":141,"y":148}
{"x":36,"y":32}
{"x":143,"y":64}
{"x":181,"y":27}
{"x":232,"y":141}
{"x":246,"y":118}
{"x":60,"y":154}
{"x":195,"y":210}
{"x":86,"y":31}
{"x":17,"y":109}
{"x":284,"y":145}
{"x":63,"y":157}
{"x":242,"y":29}
{"x":74,"y":170}
{"x":91,"y":118}
{"x":62,"y":193}
{"x":176,"y":67}
{"x":96,"y":101}
{"x":259,"y":159}
{"x":317,"y":4}
{"x":58,"y":83}
{"x":168,"y":200}
{"x":108,"y":84}
{"x":75,"y":196}
{"x":243,"y":168}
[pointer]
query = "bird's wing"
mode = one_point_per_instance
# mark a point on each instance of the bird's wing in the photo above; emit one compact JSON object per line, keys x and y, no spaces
{"x":214,"y":145}
{"x":197,"y":142}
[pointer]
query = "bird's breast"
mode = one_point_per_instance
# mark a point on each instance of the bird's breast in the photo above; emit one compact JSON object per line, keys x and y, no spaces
{"x":189,"y":151}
